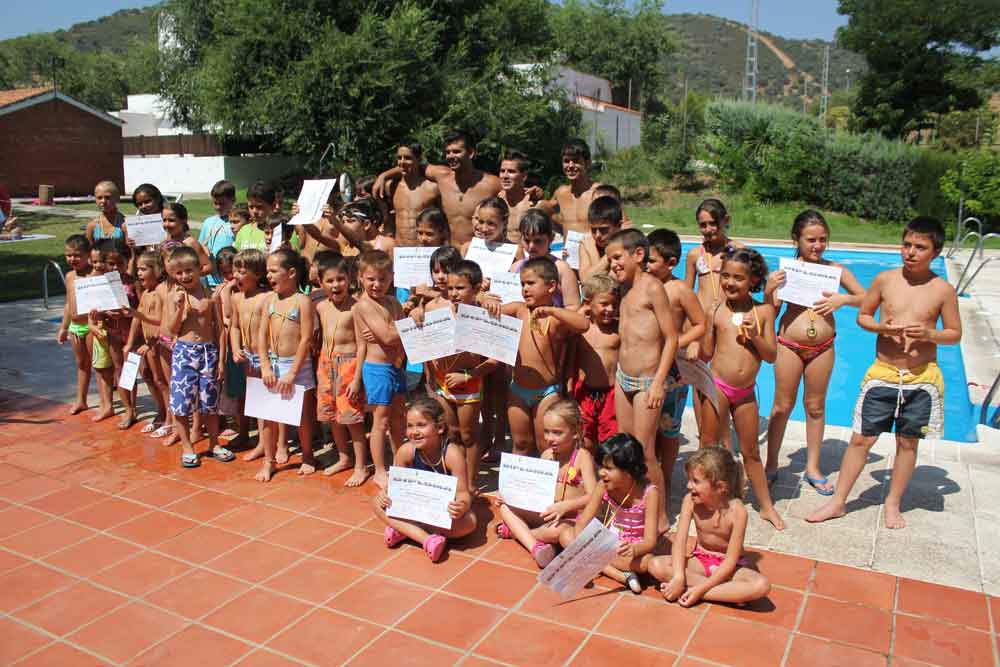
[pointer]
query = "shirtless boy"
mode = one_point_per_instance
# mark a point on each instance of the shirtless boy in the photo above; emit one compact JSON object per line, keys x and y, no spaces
{"x":539,"y":372}
{"x":338,"y":391}
{"x":605,"y":219}
{"x":594,"y":358}
{"x":381,"y":355}
{"x":572,"y":201}
{"x":648,"y":346}
{"x":413,"y":194}
{"x":904,"y":386}
{"x":74,"y":326}
{"x":195,"y":319}
{"x":513,"y":173}
{"x":461,"y":185}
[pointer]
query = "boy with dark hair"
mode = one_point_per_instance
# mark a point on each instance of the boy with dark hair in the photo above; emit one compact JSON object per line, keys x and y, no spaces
{"x":904,"y":387}
{"x":74,"y":325}
{"x":414,"y":192}
{"x":216,"y":232}
{"x":572,"y":201}
{"x":261,"y":203}
{"x":513,"y":174}
{"x":605,"y":219}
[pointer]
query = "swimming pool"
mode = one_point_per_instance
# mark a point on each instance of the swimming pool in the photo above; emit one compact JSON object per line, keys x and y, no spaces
{"x":856,"y":351}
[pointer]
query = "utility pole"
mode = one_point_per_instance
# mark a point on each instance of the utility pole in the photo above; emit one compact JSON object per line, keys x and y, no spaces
{"x":805,"y":94}
{"x":684,"y":121}
{"x":824,"y":103}
{"x":750,"y":73}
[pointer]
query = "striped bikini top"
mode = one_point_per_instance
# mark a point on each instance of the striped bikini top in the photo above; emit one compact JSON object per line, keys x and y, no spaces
{"x":630,"y":521}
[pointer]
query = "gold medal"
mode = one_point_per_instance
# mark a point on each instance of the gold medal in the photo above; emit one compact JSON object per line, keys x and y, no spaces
{"x":811,"y":331}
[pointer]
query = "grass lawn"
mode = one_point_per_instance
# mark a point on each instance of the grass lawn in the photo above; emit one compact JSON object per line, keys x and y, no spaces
{"x":23,"y":261}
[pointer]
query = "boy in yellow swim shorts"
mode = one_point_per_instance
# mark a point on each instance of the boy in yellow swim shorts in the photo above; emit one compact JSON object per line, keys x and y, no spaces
{"x":904,"y":387}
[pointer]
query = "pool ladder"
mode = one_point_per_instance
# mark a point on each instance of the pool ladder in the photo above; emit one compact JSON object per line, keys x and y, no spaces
{"x":960,"y":238}
{"x":984,"y":418}
{"x":45,"y":280}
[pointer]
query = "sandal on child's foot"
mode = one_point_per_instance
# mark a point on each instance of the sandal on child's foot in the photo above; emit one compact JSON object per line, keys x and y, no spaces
{"x":162,"y":431}
{"x":220,"y":453}
{"x":393,"y":537}
{"x":190,"y":460}
{"x":434,"y":547}
{"x":503,"y":531}
{"x":543,"y":553}
{"x":632,"y":581}
{"x":149,"y":427}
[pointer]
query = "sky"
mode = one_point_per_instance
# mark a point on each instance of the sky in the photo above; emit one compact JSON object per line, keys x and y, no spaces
{"x":788,"y":18}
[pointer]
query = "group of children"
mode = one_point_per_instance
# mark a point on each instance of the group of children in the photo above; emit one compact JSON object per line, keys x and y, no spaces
{"x":595,"y":387}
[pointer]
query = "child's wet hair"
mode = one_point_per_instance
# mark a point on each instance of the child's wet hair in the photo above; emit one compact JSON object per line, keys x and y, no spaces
{"x":605,"y":209}
{"x":607,"y":190}
{"x":625,"y":452}
{"x":223,"y":190}
{"x":376,"y":260}
{"x":152,"y":192}
{"x":718,"y":464}
{"x":447,"y":257}
{"x":154,"y":260}
{"x":753,"y":260}
{"x":225,"y":255}
{"x":601,"y":283}
{"x":630,"y":240}
{"x":109,"y":186}
{"x":183,"y":253}
{"x":288,"y":259}
{"x":428,"y":407}
{"x":108,"y":246}
{"x":77,"y":242}
{"x":498,"y":205}
{"x":468,"y":270}
{"x":328,"y":260}
{"x":365,"y":209}
{"x":666,"y":242}
{"x":927,"y":226}
{"x":438,"y":221}
{"x":263,"y":191}
{"x":576,"y":148}
{"x":568,"y":411}
{"x":536,"y":222}
{"x":254,"y":261}
{"x":715,"y":208}
{"x":807,"y":218}
{"x":543,"y":267}
{"x":180,"y":210}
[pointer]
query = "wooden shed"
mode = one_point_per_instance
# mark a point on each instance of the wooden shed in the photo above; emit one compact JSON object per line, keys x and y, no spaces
{"x":47,"y":137}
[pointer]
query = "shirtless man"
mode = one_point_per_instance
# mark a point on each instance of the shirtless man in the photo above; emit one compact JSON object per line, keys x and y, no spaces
{"x":513,"y":173}
{"x":461,"y":185}
{"x":648,"y":346}
{"x":572,"y":201}
{"x":414,"y":192}
{"x":904,"y":386}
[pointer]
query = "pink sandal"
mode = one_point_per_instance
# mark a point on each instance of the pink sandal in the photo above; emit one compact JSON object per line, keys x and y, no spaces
{"x":503,"y":531}
{"x":434,"y":547}
{"x":393,"y":537}
{"x":543,"y":553}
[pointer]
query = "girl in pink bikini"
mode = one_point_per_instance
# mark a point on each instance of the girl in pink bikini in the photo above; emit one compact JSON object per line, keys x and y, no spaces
{"x":805,"y":350}
{"x":538,"y":532}
{"x":739,"y":336}
{"x":626,"y":503}
{"x":716,"y":570}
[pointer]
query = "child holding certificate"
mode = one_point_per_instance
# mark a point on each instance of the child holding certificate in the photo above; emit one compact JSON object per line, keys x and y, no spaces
{"x":144,"y":335}
{"x":250,"y":273}
{"x":427,"y":449}
{"x":577,"y":480}
{"x":805,"y":350}
{"x":74,"y":325}
{"x":716,"y":571}
{"x":536,"y":234}
{"x":627,"y":503}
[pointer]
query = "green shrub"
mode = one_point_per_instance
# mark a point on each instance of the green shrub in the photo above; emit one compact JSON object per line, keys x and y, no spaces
{"x":978,"y":177}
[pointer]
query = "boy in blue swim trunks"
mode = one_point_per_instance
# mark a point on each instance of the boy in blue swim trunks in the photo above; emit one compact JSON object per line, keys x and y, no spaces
{"x":904,"y":386}
{"x":195,"y":319}
{"x":540,"y":372}
{"x":381,"y":355}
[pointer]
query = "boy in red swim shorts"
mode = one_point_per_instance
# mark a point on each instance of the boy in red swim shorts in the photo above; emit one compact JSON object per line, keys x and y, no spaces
{"x":595,"y":358}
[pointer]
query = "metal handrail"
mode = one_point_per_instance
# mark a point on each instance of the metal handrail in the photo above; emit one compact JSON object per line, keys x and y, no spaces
{"x":45,"y":281}
{"x":984,"y":411}
{"x":957,"y":244}
{"x":959,"y":288}
{"x":982,"y":242}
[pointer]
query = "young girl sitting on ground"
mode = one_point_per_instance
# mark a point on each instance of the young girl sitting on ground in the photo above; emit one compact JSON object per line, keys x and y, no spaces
{"x":625,"y":502}
{"x":716,"y":570}
{"x":427,"y":449}
{"x":563,"y":440}
{"x":740,"y":335}
{"x":805,"y":350}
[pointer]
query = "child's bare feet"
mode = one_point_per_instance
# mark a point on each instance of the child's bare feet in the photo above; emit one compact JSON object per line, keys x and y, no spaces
{"x":254,"y":453}
{"x":893,"y":517}
{"x":78,"y":408}
{"x":228,"y":433}
{"x":281,"y":457}
{"x":103,"y":414}
{"x":381,"y":479}
{"x":832,"y":510}
{"x":358,"y":478}
{"x":171,"y":439}
{"x":266,"y":470}
{"x":307,"y":469}
{"x":772,"y":517}
{"x":342,"y":464}
{"x":127,"y":421}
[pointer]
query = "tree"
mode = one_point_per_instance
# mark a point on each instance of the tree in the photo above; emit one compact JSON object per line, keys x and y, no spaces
{"x":920,"y":54}
{"x":362,"y":75}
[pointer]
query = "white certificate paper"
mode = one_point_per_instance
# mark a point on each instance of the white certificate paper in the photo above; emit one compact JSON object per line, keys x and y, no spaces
{"x":697,"y":374}
{"x":104,"y":292}
{"x":263,"y":403}
{"x":494,"y":338}
{"x":805,"y":282}
{"x":581,"y":561}
{"x":435,"y":339}
{"x":411,"y":266}
{"x":130,"y":369}
{"x":507,"y":286}
{"x":145,"y":229}
{"x":492,"y":258}
{"x":528,"y":483}
{"x":573,"y":242}
{"x":421,"y":496}
{"x":277,"y":234}
{"x":311,"y":201}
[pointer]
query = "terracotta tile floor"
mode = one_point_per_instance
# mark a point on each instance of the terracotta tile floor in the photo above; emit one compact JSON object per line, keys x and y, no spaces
{"x":110,"y":553}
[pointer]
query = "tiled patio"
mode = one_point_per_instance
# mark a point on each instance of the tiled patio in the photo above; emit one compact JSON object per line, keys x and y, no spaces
{"x":110,"y":554}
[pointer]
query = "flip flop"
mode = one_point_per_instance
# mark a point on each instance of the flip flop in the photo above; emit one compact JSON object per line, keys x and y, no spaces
{"x":434,"y":547}
{"x":220,"y":453}
{"x":162,"y":432}
{"x":632,"y":581}
{"x":393,"y":537}
{"x":149,"y":427}
{"x":543,"y":553}
{"x":815,"y":483}
{"x":190,"y":460}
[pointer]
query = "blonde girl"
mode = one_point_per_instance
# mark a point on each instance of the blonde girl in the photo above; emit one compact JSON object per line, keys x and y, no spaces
{"x":144,"y":335}
{"x":250,"y":275}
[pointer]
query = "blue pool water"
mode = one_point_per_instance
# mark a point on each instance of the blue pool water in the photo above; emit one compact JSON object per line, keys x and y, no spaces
{"x":856,"y":350}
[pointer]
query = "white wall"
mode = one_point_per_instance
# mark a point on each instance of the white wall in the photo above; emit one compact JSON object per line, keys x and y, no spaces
{"x":578,"y":83}
{"x":176,"y":173}
{"x":615,"y":127}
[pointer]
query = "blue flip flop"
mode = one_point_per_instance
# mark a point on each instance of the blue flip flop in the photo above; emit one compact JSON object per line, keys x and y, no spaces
{"x":814,"y":483}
